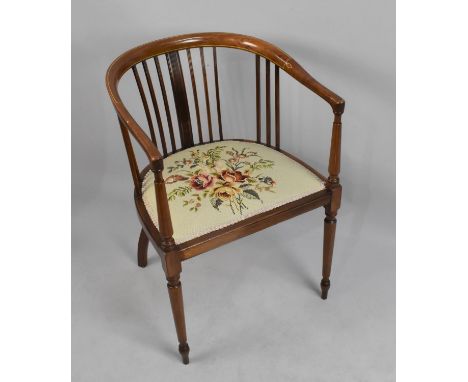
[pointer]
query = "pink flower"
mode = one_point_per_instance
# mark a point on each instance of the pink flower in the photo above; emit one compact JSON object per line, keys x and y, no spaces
{"x":175,"y":178}
{"x":233,"y":176}
{"x":201,"y":181}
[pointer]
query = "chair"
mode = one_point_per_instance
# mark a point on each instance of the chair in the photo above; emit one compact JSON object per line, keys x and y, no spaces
{"x":198,"y":190}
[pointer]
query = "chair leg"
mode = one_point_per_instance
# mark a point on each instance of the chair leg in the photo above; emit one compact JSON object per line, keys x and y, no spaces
{"x":174,"y":287}
{"x":328,"y":242}
{"x":143,"y":249}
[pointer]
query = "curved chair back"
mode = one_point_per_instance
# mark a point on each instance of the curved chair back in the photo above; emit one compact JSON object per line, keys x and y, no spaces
{"x":179,"y":133}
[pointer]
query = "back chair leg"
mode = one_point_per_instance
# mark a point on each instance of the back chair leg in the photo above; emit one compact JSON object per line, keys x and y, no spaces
{"x":174,"y":287}
{"x":143,"y":249}
{"x":328,"y":242}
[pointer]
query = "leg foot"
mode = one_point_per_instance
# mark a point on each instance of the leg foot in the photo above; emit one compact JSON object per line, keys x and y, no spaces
{"x":143,"y":250}
{"x":174,"y":288}
{"x":328,"y":243}
{"x":184,"y":352}
{"x":325,"y":285}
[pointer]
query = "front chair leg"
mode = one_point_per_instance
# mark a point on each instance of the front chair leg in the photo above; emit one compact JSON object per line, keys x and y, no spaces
{"x":174,"y":287}
{"x":143,"y":249}
{"x":328,"y":242}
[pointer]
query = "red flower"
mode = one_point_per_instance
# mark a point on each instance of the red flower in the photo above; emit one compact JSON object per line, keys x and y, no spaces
{"x":233,"y":176}
{"x":201,"y":181}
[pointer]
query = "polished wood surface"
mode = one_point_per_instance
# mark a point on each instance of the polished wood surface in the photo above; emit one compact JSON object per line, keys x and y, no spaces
{"x":218,"y":101}
{"x":172,"y":254}
{"x":277,"y":108}
{"x":154,"y":101}
{"x":334,"y":162}
{"x":166,"y":103}
{"x":267,"y":103}
{"x":207,"y":95}
{"x":143,"y":249}
{"x":131,"y":157}
{"x":180,"y":99}
{"x":195,"y":96}
{"x":174,"y":287}
{"x":258,"y":98}
{"x":145,"y":104}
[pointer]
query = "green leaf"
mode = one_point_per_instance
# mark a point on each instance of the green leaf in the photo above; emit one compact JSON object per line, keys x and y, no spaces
{"x":179,"y":192}
{"x":250,"y":194}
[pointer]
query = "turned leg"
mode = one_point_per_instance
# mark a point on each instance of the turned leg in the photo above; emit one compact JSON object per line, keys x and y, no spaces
{"x":328,"y":241}
{"x":142,"y":250}
{"x":174,"y":287}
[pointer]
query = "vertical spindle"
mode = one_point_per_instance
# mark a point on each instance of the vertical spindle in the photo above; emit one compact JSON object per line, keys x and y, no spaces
{"x":335,"y":152}
{"x":258,"y":97}
{"x":166,"y":103}
{"x":218,"y":103}
{"x":164,"y":214}
{"x":156,"y":108}
{"x":207,"y":97}
{"x":267,"y":103}
{"x":145,"y":103}
{"x":195,"y":96}
{"x":277,"y":108}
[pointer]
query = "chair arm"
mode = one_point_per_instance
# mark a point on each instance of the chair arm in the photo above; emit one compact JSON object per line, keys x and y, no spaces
{"x":334,"y":100}
{"x":338,"y":105}
{"x":148,"y":147}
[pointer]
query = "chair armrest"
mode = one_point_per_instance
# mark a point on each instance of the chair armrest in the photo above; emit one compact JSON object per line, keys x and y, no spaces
{"x":148,"y":147}
{"x":338,"y":105}
{"x":334,"y":100}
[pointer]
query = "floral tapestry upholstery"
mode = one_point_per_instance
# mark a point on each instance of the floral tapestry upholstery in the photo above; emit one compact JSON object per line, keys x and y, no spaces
{"x":218,"y":184}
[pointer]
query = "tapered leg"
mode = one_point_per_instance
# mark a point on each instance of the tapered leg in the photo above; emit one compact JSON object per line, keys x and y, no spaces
{"x":142,"y":250}
{"x":328,"y":242}
{"x":174,"y":287}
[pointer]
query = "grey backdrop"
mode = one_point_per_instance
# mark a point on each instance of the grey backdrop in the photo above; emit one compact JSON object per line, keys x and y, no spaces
{"x":264,"y":322}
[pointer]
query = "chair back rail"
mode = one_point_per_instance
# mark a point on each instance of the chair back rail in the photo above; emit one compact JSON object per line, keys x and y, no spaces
{"x":179,"y":94}
{"x":170,"y":48}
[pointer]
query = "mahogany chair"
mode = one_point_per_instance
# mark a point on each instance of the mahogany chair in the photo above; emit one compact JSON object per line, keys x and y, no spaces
{"x":199,"y":192}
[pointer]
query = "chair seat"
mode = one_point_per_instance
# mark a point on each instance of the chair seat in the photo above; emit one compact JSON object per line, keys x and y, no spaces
{"x":214,"y":185}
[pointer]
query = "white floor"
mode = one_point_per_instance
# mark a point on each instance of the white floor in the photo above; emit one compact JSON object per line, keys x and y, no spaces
{"x":252,"y":307}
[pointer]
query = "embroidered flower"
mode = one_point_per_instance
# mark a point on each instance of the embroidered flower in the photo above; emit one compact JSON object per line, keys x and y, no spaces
{"x":226,"y":193}
{"x":233,"y":176}
{"x":201,"y":181}
{"x":225,"y":178}
{"x":175,"y":178}
{"x":268,"y":180}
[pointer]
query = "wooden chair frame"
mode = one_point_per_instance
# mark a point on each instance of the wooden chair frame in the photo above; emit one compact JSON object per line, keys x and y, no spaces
{"x":172,"y":254}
